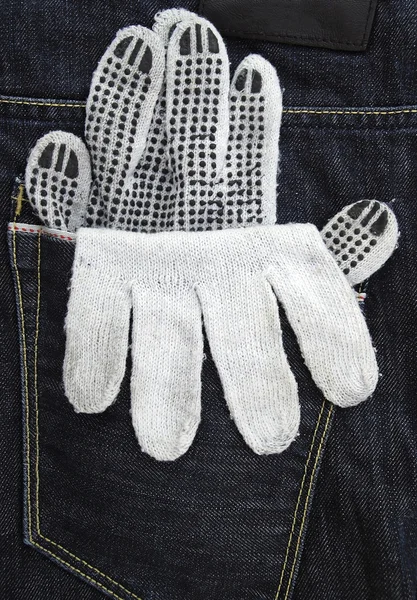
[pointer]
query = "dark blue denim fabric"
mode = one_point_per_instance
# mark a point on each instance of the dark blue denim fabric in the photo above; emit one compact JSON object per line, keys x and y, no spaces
{"x":325,"y":520}
{"x":49,"y":49}
{"x":213,"y":524}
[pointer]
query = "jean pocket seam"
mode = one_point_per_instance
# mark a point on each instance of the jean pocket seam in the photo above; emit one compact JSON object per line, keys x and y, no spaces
{"x":389,"y":111}
{"x":29,"y":499}
{"x":33,"y":529}
{"x":41,"y":103}
{"x":283,"y":590}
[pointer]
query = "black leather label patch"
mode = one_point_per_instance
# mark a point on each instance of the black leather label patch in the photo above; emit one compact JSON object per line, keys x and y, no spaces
{"x":335,"y":24}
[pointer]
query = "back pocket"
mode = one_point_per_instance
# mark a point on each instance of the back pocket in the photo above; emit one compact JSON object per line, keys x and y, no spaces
{"x":219,"y":523}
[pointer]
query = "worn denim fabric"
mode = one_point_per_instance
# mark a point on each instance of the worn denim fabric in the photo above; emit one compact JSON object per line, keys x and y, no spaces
{"x":333,"y":517}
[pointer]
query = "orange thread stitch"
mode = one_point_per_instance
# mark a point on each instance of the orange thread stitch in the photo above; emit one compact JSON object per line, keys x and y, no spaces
{"x":37,"y":229}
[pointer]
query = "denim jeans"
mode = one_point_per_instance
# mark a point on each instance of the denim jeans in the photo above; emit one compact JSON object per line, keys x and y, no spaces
{"x":334,"y":516}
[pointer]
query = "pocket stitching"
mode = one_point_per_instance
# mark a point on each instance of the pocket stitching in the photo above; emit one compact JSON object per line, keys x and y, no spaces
{"x":290,"y":544}
{"x":28,"y":458}
{"x":39,"y":103}
{"x":307,"y":500}
{"x":292,"y":111}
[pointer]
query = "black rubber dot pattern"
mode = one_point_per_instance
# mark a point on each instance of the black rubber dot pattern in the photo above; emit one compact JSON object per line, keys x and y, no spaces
{"x":196,"y":199}
{"x":111,"y":131}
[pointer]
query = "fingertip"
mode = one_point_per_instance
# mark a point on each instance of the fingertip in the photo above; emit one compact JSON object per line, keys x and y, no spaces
{"x":356,"y":388}
{"x":165,"y":444}
{"x":167,"y":20}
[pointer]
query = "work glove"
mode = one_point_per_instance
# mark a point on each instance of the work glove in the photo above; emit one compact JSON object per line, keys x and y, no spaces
{"x":179,"y":152}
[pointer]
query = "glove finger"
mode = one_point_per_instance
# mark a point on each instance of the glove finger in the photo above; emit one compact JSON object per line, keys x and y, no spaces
{"x":330,"y":328}
{"x":244,"y":332}
{"x":167,"y":352}
{"x":197,"y":111}
{"x":255,"y":106}
{"x":166,"y":21}
{"x":153,"y":183}
{"x":123,"y":93}
{"x":97,"y":330}
{"x":58,"y":180}
{"x":152,"y":190}
{"x":361,"y":238}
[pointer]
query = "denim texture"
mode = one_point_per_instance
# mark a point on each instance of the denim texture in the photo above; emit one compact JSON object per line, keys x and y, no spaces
{"x":169,"y":530}
{"x":50,"y":49}
{"x":221,"y":522}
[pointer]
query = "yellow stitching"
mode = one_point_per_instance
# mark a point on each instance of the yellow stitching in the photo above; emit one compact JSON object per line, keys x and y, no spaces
{"x":25,"y":372}
{"x":32,"y":103}
{"x":298,"y":500}
{"x":306,"y":111}
{"x":37,"y":437}
{"x":77,"y":571}
{"x":292,"y":111}
{"x":37,"y":447}
{"x":119,"y":585}
{"x":19,"y":200}
{"x":37,"y":456}
{"x":307,"y":501}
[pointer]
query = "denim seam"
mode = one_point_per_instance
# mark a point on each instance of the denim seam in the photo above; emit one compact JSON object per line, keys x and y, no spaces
{"x":37,"y":433}
{"x":28,"y":457}
{"x":298,"y":502}
{"x":310,"y":487}
{"x":15,"y":227}
{"x":25,"y":367}
{"x":290,"y":111}
{"x":39,"y":230}
{"x":308,"y":111}
{"x":35,"y":103}
{"x":306,"y":503}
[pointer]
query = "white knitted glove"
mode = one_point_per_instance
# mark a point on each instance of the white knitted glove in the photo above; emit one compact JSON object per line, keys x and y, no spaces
{"x":185,"y":153}
{"x":227,"y":278}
